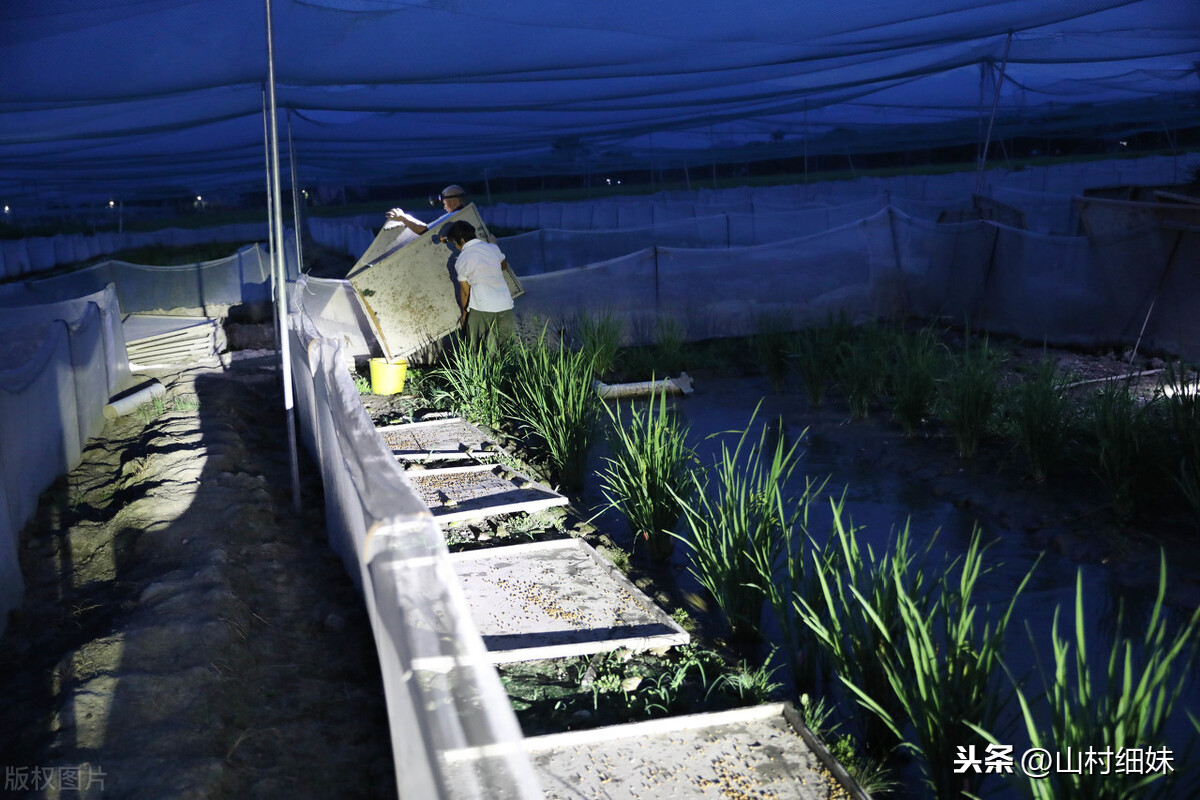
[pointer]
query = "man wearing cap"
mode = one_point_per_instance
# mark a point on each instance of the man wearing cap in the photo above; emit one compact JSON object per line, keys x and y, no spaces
{"x":453,"y":198}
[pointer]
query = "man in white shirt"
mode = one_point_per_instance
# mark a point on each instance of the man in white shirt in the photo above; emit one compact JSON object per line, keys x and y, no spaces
{"x":487,"y":304}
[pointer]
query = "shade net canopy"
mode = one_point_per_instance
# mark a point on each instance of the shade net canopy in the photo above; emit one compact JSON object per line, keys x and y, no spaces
{"x":106,"y":99}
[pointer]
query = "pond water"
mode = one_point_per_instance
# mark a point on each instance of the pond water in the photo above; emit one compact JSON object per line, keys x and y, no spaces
{"x":882,"y":494}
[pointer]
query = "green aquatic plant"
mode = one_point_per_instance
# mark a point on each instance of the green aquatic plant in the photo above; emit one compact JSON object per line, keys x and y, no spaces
{"x":740,"y":523}
{"x":553,"y":400}
{"x":1119,"y":428}
{"x":474,"y":381}
{"x":796,"y":577}
{"x":647,"y":469}
{"x":968,"y":394}
{"x":771,"y":343}
{"x":862,"y":368}
{"x":1180,"y":398}
{"x":751,"y":685}
{"x":944,"y":669}
{"x":1042,"y":416}
{"x":815,"y":351}
{"x":912,"y":378}
{"x":1126,"y":707}
{"x":600,"y":336}
{"x":850,"y":581}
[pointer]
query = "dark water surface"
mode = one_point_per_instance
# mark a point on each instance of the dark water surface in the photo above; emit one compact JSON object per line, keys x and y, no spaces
{"x":882,"y":494}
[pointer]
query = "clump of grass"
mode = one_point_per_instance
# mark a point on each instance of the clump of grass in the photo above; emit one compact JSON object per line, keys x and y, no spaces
{"x":944,"y":670}
{"x":1129,"y":707}
{"x":152,"y":409}
{"x":872,"y":776}
{"x":362,"y":384}
{"x":650,"y":462}
{"x":968,"y":395}
{"x":1181,"y":400}
{"x":475,"y":381}
{"x":863,"y":367}
{"x":552,"y":399}
{"x":912,"y":379}
{"x":737,"y":530}
{"x":750,"y":685}
{"x":1119,"y":429}
{"x":668,"y":346}
{"x":797,"y":578}
{"x":771,"y":343}
{"x":848,"y":581}
{"x":1042,"y":413}
{"x":600,"y":337}
{"x":815,"y":351}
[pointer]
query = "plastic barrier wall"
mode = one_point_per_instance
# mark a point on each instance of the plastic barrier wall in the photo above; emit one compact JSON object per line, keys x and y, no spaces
{"x":59,"y":364}
{"x":37,"y":254}
{"x":1062,"y":290}
{"x":203,"y":288}
{"x":454,"y":734}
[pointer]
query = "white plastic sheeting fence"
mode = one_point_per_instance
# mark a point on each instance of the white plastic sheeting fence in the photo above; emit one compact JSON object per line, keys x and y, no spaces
{"x":59,"y":364}
{"x":454,"y":734}
{"x":36,"y":254}
{"x":244,"y":277}
{"x":1063,"y":290}
{"x":568,"y":235}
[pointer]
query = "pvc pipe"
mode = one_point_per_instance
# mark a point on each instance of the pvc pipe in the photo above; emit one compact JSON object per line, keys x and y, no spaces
{"x":681,"y":385}
{"x":126,"y":402}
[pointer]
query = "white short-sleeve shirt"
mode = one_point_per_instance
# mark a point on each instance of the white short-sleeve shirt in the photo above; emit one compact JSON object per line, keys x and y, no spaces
{"x":479,"y":266}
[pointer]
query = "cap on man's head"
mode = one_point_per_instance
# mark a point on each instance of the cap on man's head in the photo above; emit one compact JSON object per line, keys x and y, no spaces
{"x":454,"y":190}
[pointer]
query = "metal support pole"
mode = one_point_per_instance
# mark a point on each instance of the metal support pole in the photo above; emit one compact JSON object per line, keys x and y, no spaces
{"x":280,"y":278}
{"x":275,"y":329}
{"x":991,"y":122}
{"x":295,"y":200}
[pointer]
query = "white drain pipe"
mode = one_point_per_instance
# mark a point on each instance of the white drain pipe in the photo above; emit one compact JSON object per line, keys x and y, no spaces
{"x":126,"y":402}
{"x":613,"y":391}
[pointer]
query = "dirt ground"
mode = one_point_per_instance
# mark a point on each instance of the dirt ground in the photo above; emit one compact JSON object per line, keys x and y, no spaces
{"x":186,"y":634}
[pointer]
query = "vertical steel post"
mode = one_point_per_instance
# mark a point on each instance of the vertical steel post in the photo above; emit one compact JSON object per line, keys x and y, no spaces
{"x":280,"y":277}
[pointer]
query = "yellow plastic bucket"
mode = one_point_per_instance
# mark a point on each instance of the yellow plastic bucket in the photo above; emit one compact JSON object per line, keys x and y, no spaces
{"x":388,"y":378}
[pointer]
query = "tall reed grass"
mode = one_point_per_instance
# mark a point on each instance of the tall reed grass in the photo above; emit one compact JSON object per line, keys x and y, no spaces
{"x":474,"y":381}
{"x":796,"y":577}
{"x":815,"y":351}
{"x":1120,"y":429}
{"x":739,"y":525}
{"x":1180,"y":393}
{"x":1042,"y":417}
{"x":912,"y":378}
{"x":553,"y":400}
{"x":967,"y":396}
{"x":851,"y":582}
{"x":863,"y":368}
{"x":599,"y":336}
{"x":945,"y":671}
{"x":771,"y":343}
{"x":647,"y":472}
{"x":1127,"y":708}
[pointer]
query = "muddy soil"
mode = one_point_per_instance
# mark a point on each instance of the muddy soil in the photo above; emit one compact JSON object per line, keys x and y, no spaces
{"x":185,"y":632}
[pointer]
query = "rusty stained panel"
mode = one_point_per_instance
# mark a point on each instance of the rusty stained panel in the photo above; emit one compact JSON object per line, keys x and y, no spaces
{"x":411,"y":294}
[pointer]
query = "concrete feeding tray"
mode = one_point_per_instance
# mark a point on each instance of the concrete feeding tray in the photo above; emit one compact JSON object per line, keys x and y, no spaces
{"x":763,"y":751}
{"x":410,"y":292}
{"x":457,"y":494}
{"x":452,"y":439}
{"x":557,"y":599}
